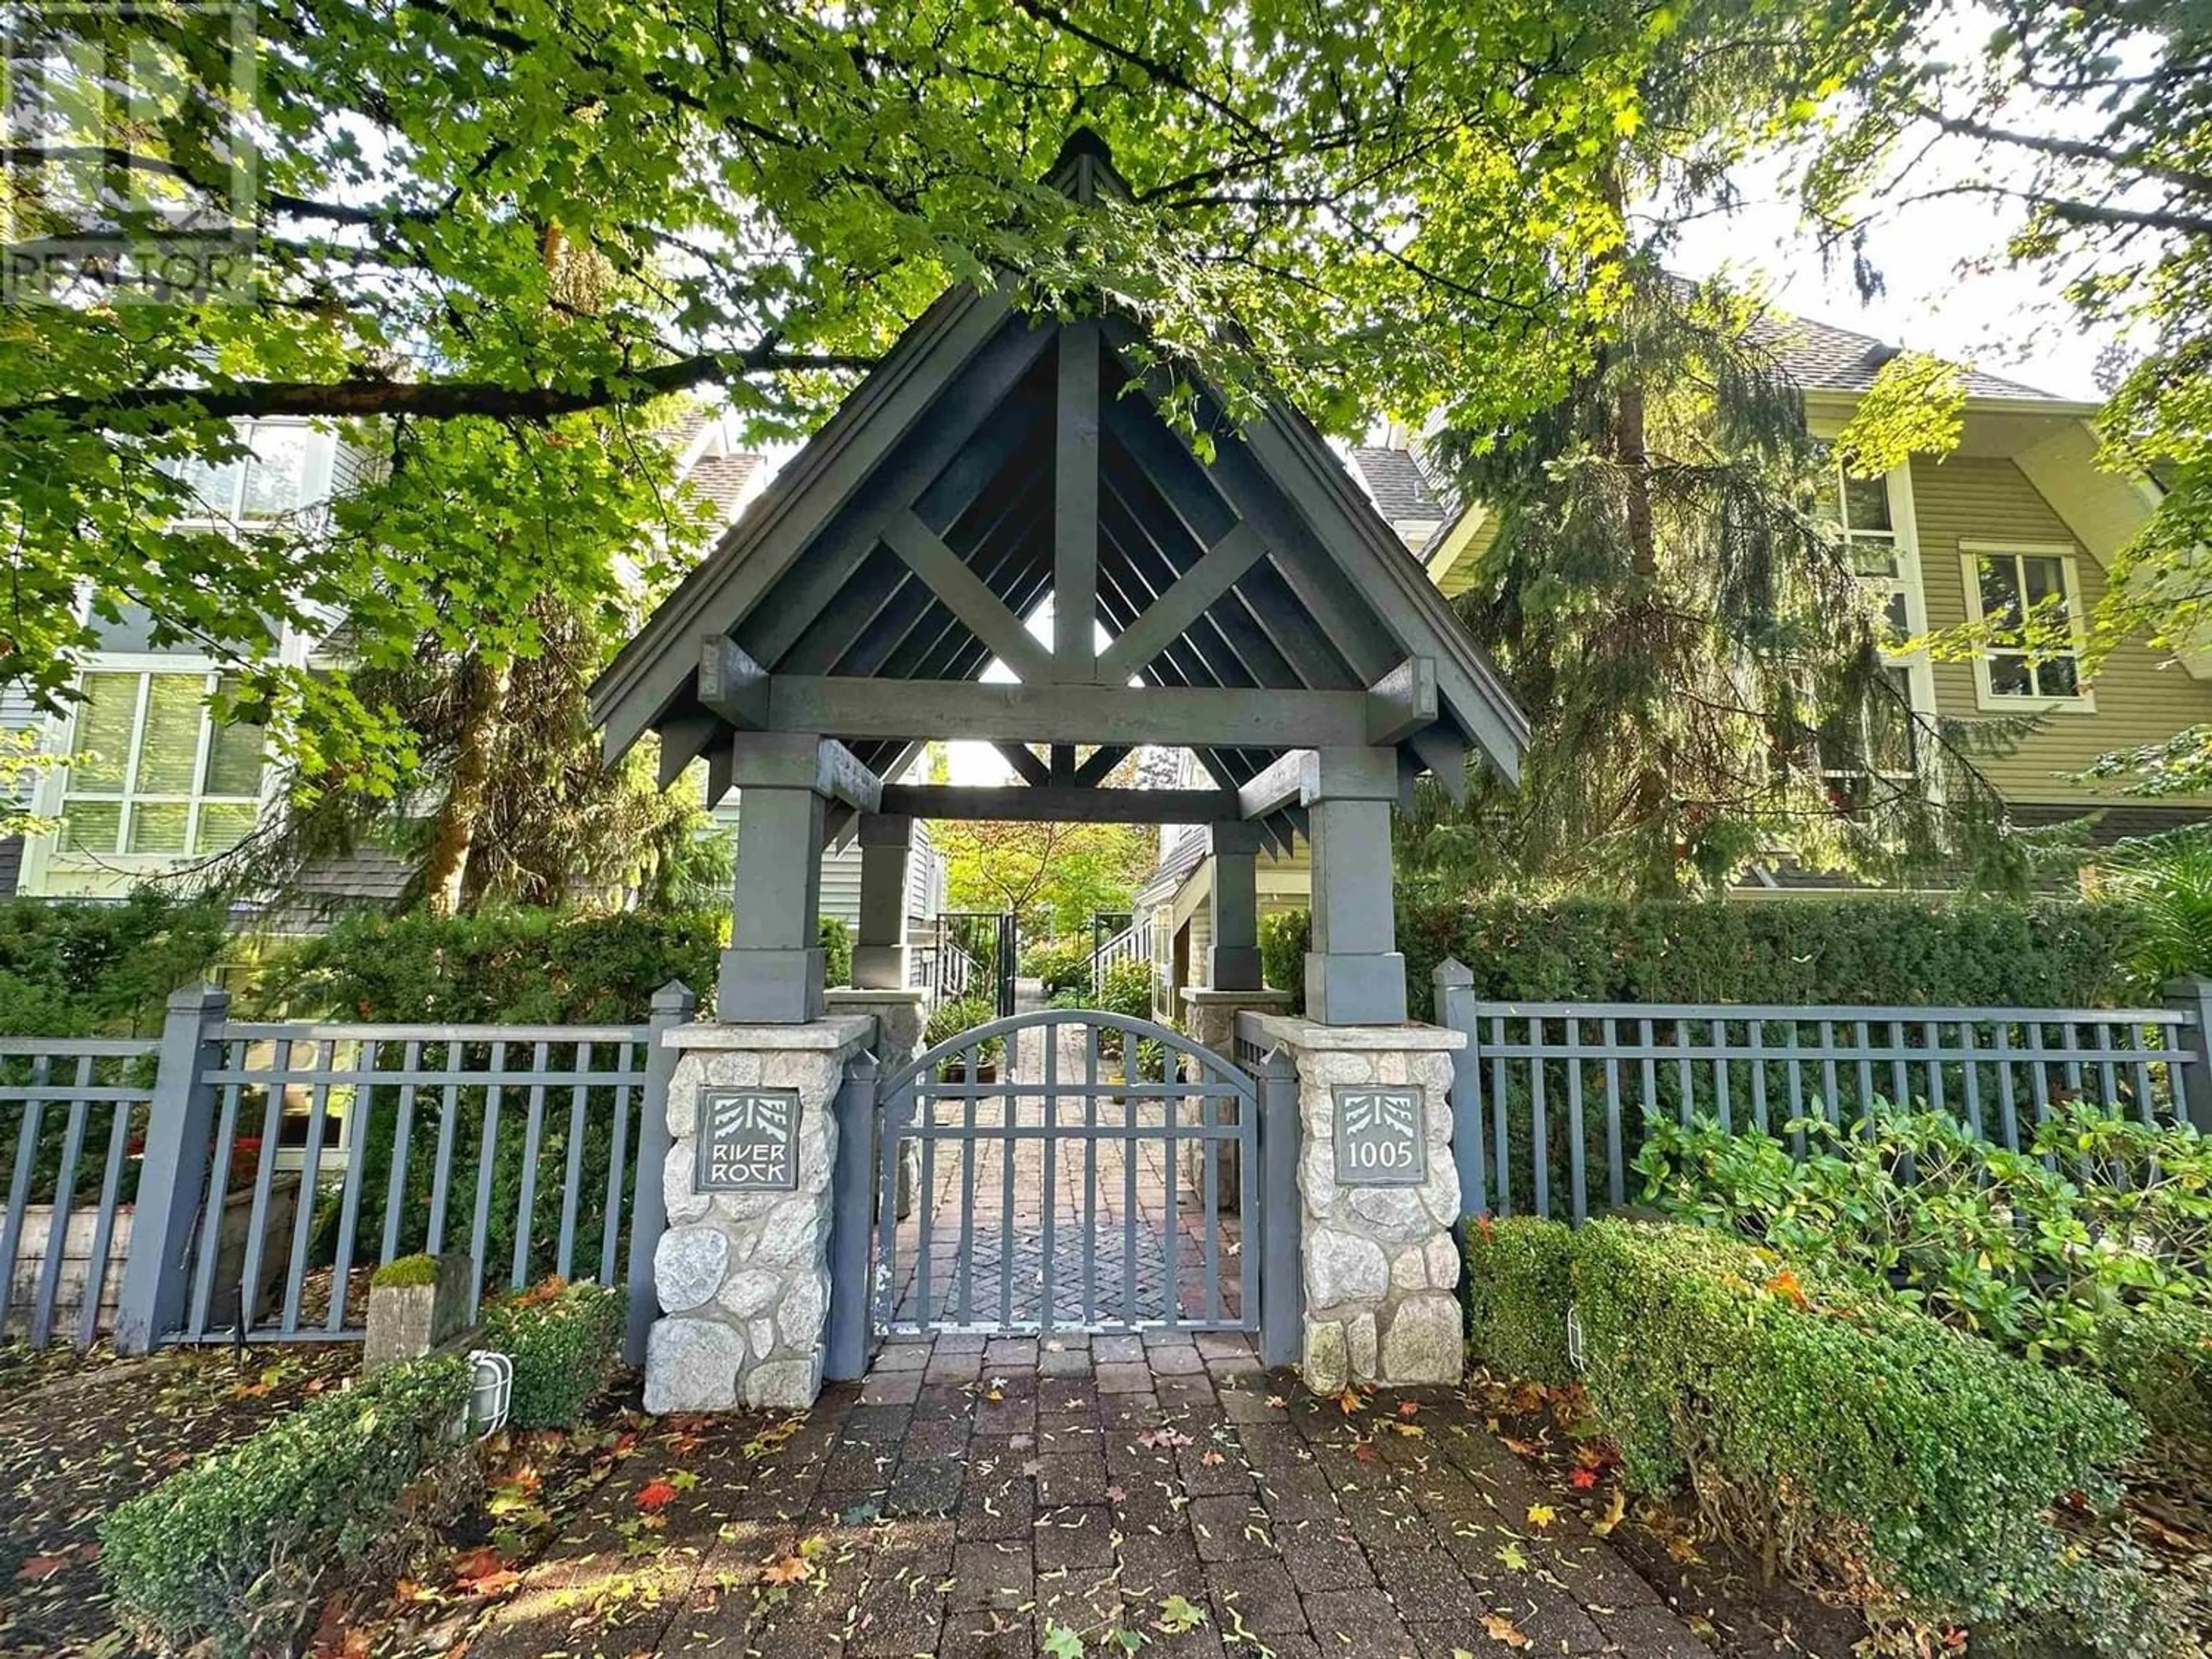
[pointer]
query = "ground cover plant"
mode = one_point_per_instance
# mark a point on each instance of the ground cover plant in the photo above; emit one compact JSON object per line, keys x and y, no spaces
{"x":2092,"y":1245}
{"x":565,"y":1341}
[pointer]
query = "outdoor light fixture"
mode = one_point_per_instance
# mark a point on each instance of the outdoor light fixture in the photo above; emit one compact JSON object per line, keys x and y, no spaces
{"x":490,"y":1389}
{"x":1575,"y":1340}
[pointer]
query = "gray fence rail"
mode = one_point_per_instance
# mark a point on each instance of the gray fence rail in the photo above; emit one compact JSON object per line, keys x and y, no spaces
{"x":239,"y":1181}
{"x":1551,"y":1098}
{"x":73,"y":1115}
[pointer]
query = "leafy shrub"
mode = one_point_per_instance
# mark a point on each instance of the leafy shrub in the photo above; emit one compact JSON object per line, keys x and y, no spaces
{"x":1064,"y":965}
{"x":565,"y":1340}
{"x":522,"y":967}
{"x":1126,"y":989}
{"x":952,"y":1017}
{"x":1516,"y":1288}
{"x":2159,"y":1360}
{"x":1813,"y":1418}
{"x":2051,"y":953}
{"x":234,"y":1550}
{"x":2093,"y":1245}
{"x":2167,"y":879}
{"x":102,"y":970}
{"x":836,"y":951}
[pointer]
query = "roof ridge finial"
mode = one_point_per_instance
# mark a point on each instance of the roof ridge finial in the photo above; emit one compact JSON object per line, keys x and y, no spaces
{"x":1084,"y":170}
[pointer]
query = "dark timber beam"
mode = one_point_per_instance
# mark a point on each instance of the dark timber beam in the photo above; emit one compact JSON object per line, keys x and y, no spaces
{"x":684,"y":737}
{"x":1171,"y":615}
{"x":1058,"y":804}
{"x":1027,"y":766}
{"x":1191,"y":719}
{"x":792,"y":760}
{"x":731,"y":684}
{"x":965,"y":595}
{"x":1075,"y":507}
{"x":1274,"y":788}
{"x":1103,"y":759}
{"x":1403,"y":701}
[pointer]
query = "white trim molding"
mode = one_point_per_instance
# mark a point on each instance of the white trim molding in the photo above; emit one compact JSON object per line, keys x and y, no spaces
{"x":1986,"y":698}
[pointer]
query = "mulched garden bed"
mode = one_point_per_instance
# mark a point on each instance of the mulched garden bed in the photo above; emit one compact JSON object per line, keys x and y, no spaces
{"x":81,"y":1433}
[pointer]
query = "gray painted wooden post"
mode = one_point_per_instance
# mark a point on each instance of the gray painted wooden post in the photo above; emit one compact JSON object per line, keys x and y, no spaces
{"x":2193,"y":996}
{"x":1233,"y":959}
{"x":673,"y":1005}
{"x":1354,"y":974}
{"x":852,"y":1216}
{"x":772,"y":974}
{"x":172,"y":1179}
{"x":1282,"y":1271}
{"x":879,"y":953}
{"x":1454,"y":989}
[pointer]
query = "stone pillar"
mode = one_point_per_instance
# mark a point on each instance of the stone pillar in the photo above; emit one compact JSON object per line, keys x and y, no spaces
{"x":900,"y":1017}
{"x":1233,"y":959}
{"x":1354,"y":975}
{"x":1209,"y":1019}
{"x":743,"y":1275}
{"x":879,"y":954}
{"x":773,"y":971}
{"x":1378,"y":1198}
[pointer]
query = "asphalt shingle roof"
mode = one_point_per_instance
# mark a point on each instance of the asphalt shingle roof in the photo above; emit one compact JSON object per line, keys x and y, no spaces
{"x":1396,"y":483}
{"x":1821,"y":357}
{"x":722,"y":479}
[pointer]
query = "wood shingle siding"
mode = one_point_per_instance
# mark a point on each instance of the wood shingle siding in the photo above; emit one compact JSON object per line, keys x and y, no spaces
{"x":2141,"y":694}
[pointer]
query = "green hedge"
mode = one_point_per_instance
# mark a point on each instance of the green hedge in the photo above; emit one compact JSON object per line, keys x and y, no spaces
{"x":102,"y":970}
{"x":1821,"y":1419}
{"x":2159,"y":1359}
{"x":2051,"y":953}
{"x":233,"y":1551}
{"x":1516,"y":1289}
{"x":565,"y":1340}
{"x":836,"y":952}
{"x":522,"y":967}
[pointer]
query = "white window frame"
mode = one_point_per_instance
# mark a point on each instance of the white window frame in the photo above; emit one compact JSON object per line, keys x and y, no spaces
{"x":50,"y":851}
{"x":1904,"y":582}
{"x":1986,"y":697}
{"x":315,"y":478}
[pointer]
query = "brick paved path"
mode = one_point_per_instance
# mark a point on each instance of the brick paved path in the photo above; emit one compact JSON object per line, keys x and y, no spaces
{"x":972,"y":1498}
{"x":1109,"y":1259}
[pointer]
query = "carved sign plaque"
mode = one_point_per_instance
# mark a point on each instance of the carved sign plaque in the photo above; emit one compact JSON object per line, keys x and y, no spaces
{"x":1379,"y":1141}
{"x":748,"y":1141}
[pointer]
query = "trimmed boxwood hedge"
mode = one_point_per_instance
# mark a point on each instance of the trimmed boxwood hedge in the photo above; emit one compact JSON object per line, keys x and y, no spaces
{"x":2047,"y":953}
{"x":233,"y":1551}
{"x":1827,"y":1420}
{"x":1516,"y":1289}
{"x":564,"y":1339}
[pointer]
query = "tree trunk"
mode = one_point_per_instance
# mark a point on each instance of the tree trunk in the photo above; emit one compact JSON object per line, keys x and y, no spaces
{"x":454,"y":833}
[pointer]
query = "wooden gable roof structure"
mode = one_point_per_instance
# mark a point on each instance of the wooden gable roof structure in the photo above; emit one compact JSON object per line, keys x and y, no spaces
{"x":1255,"y":606}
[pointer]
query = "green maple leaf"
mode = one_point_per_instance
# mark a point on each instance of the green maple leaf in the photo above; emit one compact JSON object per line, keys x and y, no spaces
{"x":1178,"y":1615}
{"x":1061,"y":1643}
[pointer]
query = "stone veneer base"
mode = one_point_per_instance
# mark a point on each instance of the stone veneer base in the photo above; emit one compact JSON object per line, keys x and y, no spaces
{"x":743,"y":1278}
{"x":1380,"y":1266}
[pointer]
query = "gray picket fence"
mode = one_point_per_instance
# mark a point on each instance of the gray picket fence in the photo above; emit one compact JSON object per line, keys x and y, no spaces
{"x":236,"y":1181}
{"x":1551,"y":1098}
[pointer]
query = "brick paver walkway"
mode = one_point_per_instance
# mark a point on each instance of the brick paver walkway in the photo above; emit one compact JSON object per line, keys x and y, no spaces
{"x":979,"y":1497}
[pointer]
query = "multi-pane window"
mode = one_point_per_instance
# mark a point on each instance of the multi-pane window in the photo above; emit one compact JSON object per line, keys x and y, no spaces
{"x":153,"y":770}
{"x":2027,"y":604}
{"x":1866,"y":523}
{"x":1861,"y":748}
{"x":270,"y":481}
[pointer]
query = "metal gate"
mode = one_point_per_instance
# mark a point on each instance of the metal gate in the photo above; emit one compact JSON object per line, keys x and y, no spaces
{"x":973,"y":954}
{"x":1068,"y":1169}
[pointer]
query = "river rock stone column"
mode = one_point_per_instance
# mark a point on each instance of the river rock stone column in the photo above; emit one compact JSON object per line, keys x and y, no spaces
{"x":1380,"y":1266}
{"x":742,"y":1276}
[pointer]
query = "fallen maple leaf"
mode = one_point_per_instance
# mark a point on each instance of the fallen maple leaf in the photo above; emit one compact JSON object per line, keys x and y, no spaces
{"x":1349,"y":1402}
{"x":1278,"y":1401}
{"x":1581,"y":1479}
{"x":1116,"y":1494}
{"x":1785,"y":1285}
{"x":655,"y":1495}
{"x":1409,"y":1408}
{"x":42,"y":1566}
{"x":1211,"y":1458}
{"x":787,"y":1569}
{"x":1541,"y":1516}
{"x":1614,"y":1510}
{"x":1498,"y":1628}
